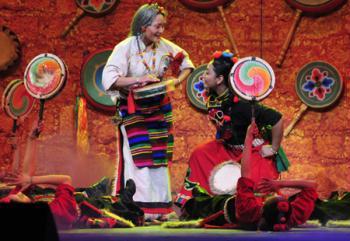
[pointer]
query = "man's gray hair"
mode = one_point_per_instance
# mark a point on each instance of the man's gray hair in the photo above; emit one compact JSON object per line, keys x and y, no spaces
{"x":144,"y":17}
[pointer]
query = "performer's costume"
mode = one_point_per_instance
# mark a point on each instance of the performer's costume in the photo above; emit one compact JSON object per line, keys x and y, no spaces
{"x":60,"y":200}
{"x":244,"y":210}
{"x":147,"y":141}
{"x":232,"y":118}
{"x":64,"y":206}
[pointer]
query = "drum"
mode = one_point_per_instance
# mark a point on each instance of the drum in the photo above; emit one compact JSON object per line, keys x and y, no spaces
{"x":16,"y":101}
{"x":204,"y":4}
{"x":224,"y":177}
{"x":310,"y":7}
{"x":45,"y":76}
{"x":93,"y":8}
{"x":252,"y":78}
{"x":319,"y":85}
{"x":154,"y":89}
{"x":315,"y":7}
{"x":196,"y":93}
{"x":10,"y":48}
{"x":91,"y":81}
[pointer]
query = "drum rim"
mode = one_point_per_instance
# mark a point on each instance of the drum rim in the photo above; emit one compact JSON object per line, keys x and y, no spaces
{"x":61,"y":84}
{"x":109,"y":9}
{"x":205,"y":6}
{"x":139,"y":95}
{"x":13,"y":85}
{"x":336,"y":97}
{"x":316,"y":10}
{"x":12,"y":35}
{"x":238,"y":92}
{"x":6,"y":92}
{"x":189,"y":83}
{"x":91,"y":101}
{"x":214,"y":171}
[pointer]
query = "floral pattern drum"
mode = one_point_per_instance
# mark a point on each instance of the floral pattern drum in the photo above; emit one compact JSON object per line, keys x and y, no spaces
{"x":319,"y":84}
{"x":195,"y":90}
{"x":45,"y":76}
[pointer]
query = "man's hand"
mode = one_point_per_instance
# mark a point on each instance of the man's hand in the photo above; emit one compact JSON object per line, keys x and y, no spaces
{"x":252,"y":129}
{"x":268,"y":186}
{"x":24,"y":180}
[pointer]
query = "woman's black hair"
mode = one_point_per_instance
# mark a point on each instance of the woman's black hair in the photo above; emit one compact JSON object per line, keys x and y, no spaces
{"x":271,"y":215}
{"x":222,"y":66}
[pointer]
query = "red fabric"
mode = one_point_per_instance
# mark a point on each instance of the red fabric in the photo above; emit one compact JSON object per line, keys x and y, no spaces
{"x":157,"y":210}
{"x":202,"y":161}
{"x":262,"y":167}
{"x":64,"y":206}
{"x":247,"y":206}
{"x":302,"y":207}
{"x":207,"y":156}
{"x":131,"y":103}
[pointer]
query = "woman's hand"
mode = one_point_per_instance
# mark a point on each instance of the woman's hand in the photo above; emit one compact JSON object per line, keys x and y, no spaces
{"x":267,"y":151}
{"x":147,"y":79}
{"x":268,"y":186}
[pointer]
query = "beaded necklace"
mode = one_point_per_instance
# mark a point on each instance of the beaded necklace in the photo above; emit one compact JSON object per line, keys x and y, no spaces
{"x":142,"y":54}
{"x":150,"y":70}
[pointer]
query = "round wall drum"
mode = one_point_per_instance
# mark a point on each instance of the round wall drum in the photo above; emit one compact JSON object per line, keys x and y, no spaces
{"x":252,"y":78}
{"x":16,"y":101}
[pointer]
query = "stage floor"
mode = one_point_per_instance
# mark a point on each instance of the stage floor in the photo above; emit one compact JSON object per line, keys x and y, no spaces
{"x":157,"y":233}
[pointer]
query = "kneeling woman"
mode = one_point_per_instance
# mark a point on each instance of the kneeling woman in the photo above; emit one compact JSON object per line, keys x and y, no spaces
{"x":232,"y":116}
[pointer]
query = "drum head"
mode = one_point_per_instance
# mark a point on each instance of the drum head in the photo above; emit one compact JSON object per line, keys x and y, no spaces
{"x":16,"y":101}
{"x":97,"y":7}
{"x":91,"y":81}
{"x":195,"y":90}
{"x":10,"y":48}
{"x":252,"y":78}
{"x":315,"y":7}
{"x":224,"y":177}
{"x":319,"y":84}
{"x":45,"y":76}
{"x":151,"y":90}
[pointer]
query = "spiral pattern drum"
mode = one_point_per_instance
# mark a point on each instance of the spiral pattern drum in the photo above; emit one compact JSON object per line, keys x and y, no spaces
{"x":16,"y":101}
{"x":252,"y":78}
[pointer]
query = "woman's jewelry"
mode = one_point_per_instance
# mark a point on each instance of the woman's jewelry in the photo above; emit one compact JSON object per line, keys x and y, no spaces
{"x":149,"y":69}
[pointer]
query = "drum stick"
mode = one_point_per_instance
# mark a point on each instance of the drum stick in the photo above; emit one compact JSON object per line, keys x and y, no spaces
{"x":41,"y":114}
{"x":289,"y":38}
{"x":116,"y":178}
{"x":16,"y":154}
{"x":14,"y":126}
{"x":228,"y":31}
{"x":296,"y":118}
{"x":117,"y":120}
{"x":80,"y":13}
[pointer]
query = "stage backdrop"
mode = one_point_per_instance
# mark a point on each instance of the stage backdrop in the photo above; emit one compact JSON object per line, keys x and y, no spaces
{"x":318,"y":147}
